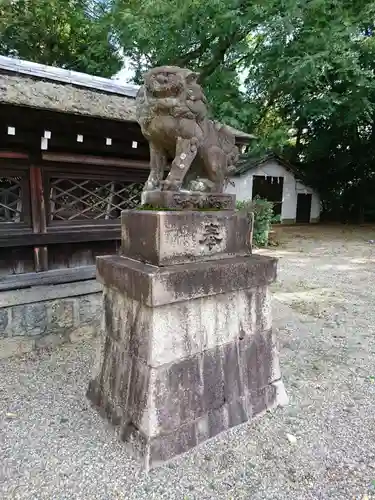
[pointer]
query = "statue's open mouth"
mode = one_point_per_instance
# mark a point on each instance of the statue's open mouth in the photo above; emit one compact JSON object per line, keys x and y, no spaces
{"x":164,"y":91}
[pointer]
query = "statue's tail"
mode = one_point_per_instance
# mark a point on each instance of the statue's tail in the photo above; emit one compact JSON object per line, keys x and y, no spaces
{"x":227,"y":142}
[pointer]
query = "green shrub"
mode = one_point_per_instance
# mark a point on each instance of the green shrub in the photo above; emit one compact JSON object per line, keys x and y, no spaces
{"x":263,"y":217}
{"x":276,"y":219}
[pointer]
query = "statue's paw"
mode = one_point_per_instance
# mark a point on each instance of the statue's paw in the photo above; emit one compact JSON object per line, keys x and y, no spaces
{"x":201,"y":185}
{"x":152,"y":185}
{"x":170,"y":186}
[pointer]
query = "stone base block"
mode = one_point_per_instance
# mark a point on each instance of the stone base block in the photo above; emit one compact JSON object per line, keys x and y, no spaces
{"x":179,"y":237}
{"x":186,"y":355}
{"x":156,"y":286}
{"x":154,"y":451}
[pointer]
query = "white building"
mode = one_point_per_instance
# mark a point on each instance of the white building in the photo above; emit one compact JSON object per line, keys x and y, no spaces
{"x":275,"y":179}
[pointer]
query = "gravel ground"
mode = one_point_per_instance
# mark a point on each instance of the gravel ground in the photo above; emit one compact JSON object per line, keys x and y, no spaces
{"x":322,"y":446}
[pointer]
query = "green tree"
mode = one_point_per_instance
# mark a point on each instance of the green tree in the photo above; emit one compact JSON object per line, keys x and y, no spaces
{"x":316,"y":72}
{"x":211,"y":37}
{"x":309,"y":88}
{"x":72,"y":34}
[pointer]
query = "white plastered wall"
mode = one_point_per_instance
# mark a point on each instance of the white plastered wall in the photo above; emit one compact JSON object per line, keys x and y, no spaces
{"x":243,"y":189}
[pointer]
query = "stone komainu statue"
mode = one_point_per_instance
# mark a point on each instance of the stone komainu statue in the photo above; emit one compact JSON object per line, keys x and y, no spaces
{"x":172,"y":113}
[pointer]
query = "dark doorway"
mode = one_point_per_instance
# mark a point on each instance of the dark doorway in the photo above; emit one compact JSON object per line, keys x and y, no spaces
{"x":269,"y":188}
{"x":303,"y":208}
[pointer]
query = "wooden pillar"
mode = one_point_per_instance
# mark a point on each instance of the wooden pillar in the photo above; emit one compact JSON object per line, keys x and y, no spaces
{"x":38,"y":211}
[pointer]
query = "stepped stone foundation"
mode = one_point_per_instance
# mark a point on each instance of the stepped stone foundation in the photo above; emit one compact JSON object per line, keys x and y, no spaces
{"x":188,"y":349}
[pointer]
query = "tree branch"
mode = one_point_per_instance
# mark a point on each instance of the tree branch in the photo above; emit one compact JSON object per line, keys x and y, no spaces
{"x":297,"y":148}
{"x":195,"y":53}
{"x":223,"y":44}
{"x":219,"y":52}
{"x":271,"y":100}
{"x":245,"y":57}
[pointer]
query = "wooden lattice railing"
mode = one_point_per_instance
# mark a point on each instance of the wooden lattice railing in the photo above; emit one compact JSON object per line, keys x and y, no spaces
{"x":10,"y":199}
{"x":61,"y":217}
{"x":82,"y":199}
{"x":14,"y":199}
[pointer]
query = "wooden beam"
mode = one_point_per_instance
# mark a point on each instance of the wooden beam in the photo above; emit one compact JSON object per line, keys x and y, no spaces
{"x":53,"y":277}
{"x":95,"y":160}
{"x":38,"y":217}
{"x":13,"y":155}
{"x":80,"y":235}
{"x":31,"y":124}
{"x":25,"y":141}
{"x":97,"y":147}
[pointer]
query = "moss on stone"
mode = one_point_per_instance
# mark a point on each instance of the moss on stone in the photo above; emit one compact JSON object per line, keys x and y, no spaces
{"x":165,"y":209}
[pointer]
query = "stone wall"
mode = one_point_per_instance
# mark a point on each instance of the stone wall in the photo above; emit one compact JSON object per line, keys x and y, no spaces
{"x":45,"y":316}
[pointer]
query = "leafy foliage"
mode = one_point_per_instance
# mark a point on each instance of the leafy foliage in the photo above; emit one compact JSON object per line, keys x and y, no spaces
{"x":298,"y":74}
{"x":324,"y":94}
{"x":72,"y":34}
{"x":209,"y":36}
{"x":263,"y":217}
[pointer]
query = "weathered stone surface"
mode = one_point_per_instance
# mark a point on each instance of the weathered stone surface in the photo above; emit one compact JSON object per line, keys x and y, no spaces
{"x":30,"y":319}
{"x":160,"y":449}
{"x":165,"y":411}
{"x":233,"y":372}
{"x":4,"y":321}
{"x":45,"y":293}
{"x":173,"y":115}
{"x":255,"y":355}
{"x":60,"y":315}
{"x":177,"y":394}
{"x":155,"y":451}
{"x":187,"y":351}
{"x":188,"y":200}
{"x":180,"y":237}
{"x":167,"y":446}
{"x":90,"y":309}
{"x":138,"y":397}
{"x":182,"y":329}
{"x":213,"y":379}
{"x":154,"y":286}
{"x":238,"y":412}
{"x":53,"y":318}
{"x":263,"y":310}
{"x":258,"y":401}
{"x":217,"y":421}
{"x":161,"y":399}
{"x":128,"y":321}
{"x":137,"y":442}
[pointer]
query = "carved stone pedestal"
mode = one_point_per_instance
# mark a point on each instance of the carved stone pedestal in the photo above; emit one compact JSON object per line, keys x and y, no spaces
{"x":188,"y":349}
{"x":186,"y":200}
